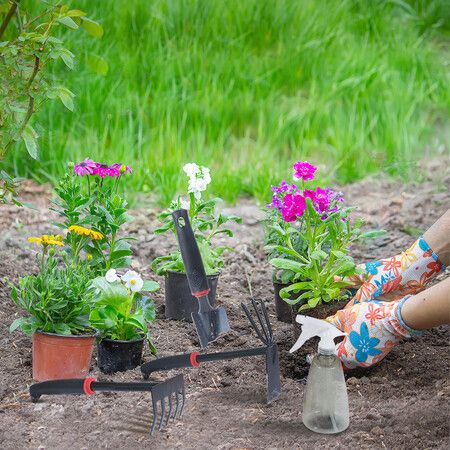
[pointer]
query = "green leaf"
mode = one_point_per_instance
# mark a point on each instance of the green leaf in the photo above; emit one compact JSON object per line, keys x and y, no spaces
{"x":66,"y":97}
{"x":68,"y":22}
{"x":75,"y":13}
{"x":281,"y":263}
{"x":30,"y":136}
{"x":18,"y":323}
{"x":150,"y":286}
{"x":93,"y":28}
{"x":313,"y":302}
{"x":318,"y":255}
{"x":97,"y":64}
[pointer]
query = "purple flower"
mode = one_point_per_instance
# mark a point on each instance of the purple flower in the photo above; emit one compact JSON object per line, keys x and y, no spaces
{"x":294,"y":206}
{"x":303,"y":170}
{"x":86,"y":167}
{"x":276,"y":203}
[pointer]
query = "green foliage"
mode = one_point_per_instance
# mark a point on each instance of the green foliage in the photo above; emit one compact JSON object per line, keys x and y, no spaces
{"x":9,"y":188}
{"x":206,"y":223}
{"x":56,"y":299}
{"x":243,"y":86}
{"x":29,"y":49}
{"x":120,"y":314}
{"x":94,"y":203}
{"x":315,"y":271}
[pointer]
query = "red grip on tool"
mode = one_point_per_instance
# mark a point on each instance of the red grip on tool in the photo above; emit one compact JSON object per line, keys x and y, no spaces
{"x":201,"y":293}
{"x":193,"y":359}
{"x":87,"y":386}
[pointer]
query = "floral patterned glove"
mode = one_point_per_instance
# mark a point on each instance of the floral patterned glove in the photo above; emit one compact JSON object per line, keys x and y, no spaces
{"x":393,"y":278}
{"x":373,"y":329}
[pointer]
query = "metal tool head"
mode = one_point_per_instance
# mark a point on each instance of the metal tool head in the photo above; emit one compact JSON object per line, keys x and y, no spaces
{"x":168,"y":397}
{"x":264,"y":331}
{"x":210,"y":324}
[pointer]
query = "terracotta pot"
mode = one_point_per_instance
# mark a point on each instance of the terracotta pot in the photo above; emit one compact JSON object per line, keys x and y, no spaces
{"x":57,"y":356}
{"x":180,"y":303}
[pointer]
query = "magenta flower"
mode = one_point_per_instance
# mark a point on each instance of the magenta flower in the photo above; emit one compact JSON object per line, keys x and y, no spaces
{"x":117,"y":169}
{"x":303,"y":170}
{"x":320,"y":198}
{"x":86,"y":167}
{"x":101,"y":170}
{"x":294,"y":206}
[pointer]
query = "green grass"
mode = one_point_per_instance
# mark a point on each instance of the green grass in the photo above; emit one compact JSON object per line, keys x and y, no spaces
{"x":247,"y":87}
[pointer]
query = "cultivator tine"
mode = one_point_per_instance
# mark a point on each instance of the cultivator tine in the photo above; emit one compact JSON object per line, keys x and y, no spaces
{"x":163,"y":392}
{"x":266,"y":316}
{"x":253,"y":324}
{"x":260,"y":320}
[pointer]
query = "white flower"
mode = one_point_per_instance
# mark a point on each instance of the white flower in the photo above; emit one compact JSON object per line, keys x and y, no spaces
{"x":185,"y":204}
{"x":191,"y":169}
{"x":199,"y":178}
{"x":111,"y":276}
{"x":133,"y":281}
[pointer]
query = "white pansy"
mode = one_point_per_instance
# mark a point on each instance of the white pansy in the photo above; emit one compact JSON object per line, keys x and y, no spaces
{"x":111,"y":276}
{"x":133,"y":281}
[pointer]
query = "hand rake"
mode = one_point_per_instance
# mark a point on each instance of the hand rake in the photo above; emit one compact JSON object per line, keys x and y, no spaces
{"x":269,"y":350}
{"x":170,"y":391}
{"x":209,"y":322}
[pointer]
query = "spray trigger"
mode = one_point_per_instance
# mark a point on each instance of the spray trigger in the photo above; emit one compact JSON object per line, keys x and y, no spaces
{"x":314,"y":327}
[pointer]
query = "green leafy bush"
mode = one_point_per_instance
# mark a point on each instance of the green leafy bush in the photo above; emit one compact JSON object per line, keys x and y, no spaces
{"x":119,"y":310}
{"x":56,"y":299}
{"x":206,"y":223}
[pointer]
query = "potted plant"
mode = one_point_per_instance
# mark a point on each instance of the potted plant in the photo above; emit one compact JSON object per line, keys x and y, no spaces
{"x":207,"y":223}
{"x":122,"y":314}
{"x":56,"y":300}
{"x":313,"y":236}
{"x":89,"y":198}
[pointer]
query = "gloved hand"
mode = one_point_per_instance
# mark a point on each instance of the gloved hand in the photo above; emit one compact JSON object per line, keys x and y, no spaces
{"x":393,"y":278}
{"x":373,"y":329}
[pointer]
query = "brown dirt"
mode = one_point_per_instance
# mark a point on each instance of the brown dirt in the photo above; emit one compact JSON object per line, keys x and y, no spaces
{"x":402,"y":403}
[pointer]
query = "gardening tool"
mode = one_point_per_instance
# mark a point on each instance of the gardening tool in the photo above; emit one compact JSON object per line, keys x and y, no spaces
{"x":269,"y":350}
{"x":171,"y":390}
{"x":209,"y":322}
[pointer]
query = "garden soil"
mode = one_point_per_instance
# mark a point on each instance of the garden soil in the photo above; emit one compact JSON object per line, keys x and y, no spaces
{"x":403,"y":403}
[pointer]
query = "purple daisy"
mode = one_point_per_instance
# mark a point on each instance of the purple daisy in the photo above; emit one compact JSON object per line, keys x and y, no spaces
{"x":86,"y":167}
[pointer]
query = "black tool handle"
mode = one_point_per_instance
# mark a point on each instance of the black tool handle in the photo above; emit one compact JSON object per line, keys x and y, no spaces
{"x":86,"y":386}
{"x":71,"y":386}
{"x":194,"y":359}
{"x":190,"y":253}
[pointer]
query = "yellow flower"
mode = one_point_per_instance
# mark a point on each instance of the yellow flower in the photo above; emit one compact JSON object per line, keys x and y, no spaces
{"x":89,"y":257}
{"x":47,"y":239}
{"x":82,"y":231}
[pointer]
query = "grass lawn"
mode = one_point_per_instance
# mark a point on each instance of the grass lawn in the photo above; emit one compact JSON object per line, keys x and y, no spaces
{"x":247,"y":87}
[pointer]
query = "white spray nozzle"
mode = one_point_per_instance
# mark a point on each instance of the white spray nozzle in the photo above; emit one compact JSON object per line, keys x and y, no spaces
{"x":315,"y":327}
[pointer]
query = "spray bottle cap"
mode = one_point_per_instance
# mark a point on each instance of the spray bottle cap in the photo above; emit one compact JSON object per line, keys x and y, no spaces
{"x":315,"y":327}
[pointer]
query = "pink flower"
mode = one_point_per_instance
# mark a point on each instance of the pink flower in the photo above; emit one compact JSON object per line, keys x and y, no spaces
{"x":117,"y":169}
{"x":86,"y":167}
{"x":320,"y":197}
{"x":304,"y":170}
{"x":101,"y":170}
{"x":294,"y":207}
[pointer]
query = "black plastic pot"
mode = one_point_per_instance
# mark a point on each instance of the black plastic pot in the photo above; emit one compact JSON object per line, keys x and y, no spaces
{"x":283,"y":310}
{"x":119,"y":356}
{"x":179,"y":301}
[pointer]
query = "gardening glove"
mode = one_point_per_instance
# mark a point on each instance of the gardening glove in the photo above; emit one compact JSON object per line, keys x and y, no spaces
{"x":393,"y":278}
{"x":373,"y":329}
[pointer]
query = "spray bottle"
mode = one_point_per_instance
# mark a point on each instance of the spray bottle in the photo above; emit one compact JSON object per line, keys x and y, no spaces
{"x":325,"y":402}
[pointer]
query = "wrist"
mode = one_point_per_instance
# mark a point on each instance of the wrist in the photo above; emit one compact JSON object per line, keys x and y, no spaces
{"x":406,"y":331}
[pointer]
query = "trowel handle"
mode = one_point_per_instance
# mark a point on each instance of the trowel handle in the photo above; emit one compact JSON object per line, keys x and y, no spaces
{"x":190,"y":253}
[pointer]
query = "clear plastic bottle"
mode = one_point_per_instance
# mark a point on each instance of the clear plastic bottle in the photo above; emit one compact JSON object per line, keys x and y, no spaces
{"x":325,"y":402}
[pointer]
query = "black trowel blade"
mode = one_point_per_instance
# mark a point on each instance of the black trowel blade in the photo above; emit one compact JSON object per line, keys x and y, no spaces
{"x":210,"y":325}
